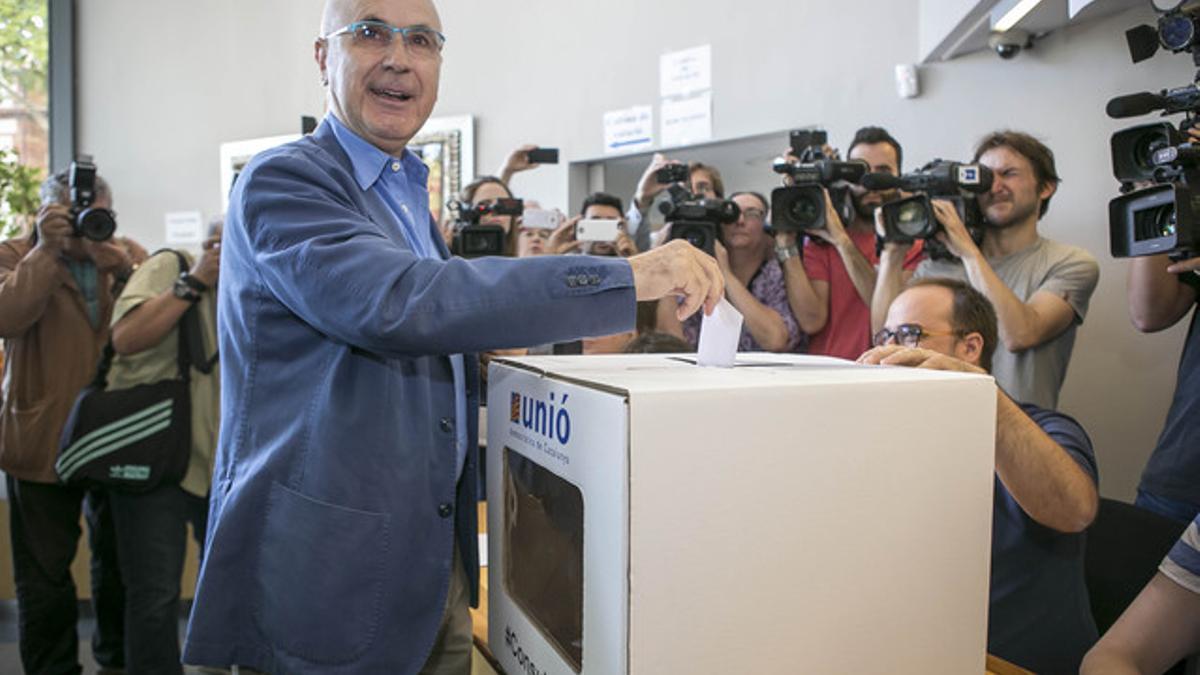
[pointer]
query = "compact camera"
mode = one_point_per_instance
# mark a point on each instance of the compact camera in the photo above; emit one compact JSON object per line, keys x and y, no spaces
{"x":473,"y":240}
{"x":95,"y":223}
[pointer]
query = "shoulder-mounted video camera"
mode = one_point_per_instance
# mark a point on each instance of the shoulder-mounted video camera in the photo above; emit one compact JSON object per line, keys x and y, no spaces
{"x":1159,"y":170}
{"x":95,"y":223}
{"x":911,"y":218}
{"x":801,"y":205}
{"x":473,"y":240}
{"x":697,"y":220}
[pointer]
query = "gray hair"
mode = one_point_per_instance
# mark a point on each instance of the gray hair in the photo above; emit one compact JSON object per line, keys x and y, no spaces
{"x":57,"y":189}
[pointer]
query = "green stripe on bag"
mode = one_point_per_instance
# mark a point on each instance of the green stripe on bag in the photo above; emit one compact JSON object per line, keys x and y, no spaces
{"x":107,"y":449}
{"x":79,"y":452}
{"x":80,"y":444}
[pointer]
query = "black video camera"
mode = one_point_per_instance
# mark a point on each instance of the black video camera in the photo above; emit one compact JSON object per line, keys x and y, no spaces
{"x":473,"y":240}
{"x":698,"y":221}
{"x":1163,"y":217}
{"x":911,"y":218}
{"x":801,"y":205}
{"x":95,"y":223}
{"x":672,"y":173}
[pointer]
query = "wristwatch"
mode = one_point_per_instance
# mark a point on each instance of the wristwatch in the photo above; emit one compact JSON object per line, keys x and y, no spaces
{"x":782,"y":253}
{"x":188,"y":287}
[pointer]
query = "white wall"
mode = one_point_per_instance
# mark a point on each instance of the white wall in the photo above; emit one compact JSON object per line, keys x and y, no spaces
{"x":163,"y":83}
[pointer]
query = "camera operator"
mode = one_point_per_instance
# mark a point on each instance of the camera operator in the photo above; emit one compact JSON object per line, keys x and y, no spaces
{"x":703,"y":180}
{"x":830,"y":287}
{"x":486,"y":190}
{"x":1040,"y":288}
{"x":151,"y":527}
{"x":1161,"y":293}
{"x":754,"y":284}
{"x":56,"y":297}
{"x":1045,"y":492}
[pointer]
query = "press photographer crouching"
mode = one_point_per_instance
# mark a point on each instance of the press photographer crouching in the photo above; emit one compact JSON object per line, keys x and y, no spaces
{"x":1040,"y":288}
{"x":754,"y":282}
{"x":172,"y":297}
{"x":1045,"y":491}
{"x":57,"y":288}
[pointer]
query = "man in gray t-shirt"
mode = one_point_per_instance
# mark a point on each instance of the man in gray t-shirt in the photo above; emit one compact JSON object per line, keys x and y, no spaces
{"x":1040,"y":288}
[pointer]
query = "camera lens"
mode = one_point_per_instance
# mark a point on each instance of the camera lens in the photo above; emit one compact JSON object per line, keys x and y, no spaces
{"x":1145,"y":147}
{"x":1154,"y":223}
{"x":912,"y":220}
{"x":805,"y":211}
{"x":1176,"y":32}
{"x":96,"y":224}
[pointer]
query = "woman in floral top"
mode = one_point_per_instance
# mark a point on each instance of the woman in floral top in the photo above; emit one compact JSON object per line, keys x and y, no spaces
{"x":754,"y":284}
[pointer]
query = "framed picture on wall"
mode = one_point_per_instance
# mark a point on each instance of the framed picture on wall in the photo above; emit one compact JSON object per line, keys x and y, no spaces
{"x":235,"y":155}
{"x":447,"y":146}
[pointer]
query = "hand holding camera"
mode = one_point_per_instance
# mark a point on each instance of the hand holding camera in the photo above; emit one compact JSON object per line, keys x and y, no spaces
{"x":834,"y":231}
{"x":207,"y":268}
{"x":562,"y":240}
{"x":110,"y":257}
{"x":54,"y":228}
{"x":652,"y":183}
{"x":953,"y":234}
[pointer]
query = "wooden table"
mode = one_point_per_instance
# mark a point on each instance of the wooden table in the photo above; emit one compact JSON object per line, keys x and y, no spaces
{"x":479,"y":618}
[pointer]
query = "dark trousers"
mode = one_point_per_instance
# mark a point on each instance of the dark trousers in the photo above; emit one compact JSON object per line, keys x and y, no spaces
{"x":44,"y":527}
{"x":152,"y":543}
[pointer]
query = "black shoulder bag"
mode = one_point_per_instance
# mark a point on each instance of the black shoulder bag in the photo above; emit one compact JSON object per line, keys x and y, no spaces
{"x":135,"y":439}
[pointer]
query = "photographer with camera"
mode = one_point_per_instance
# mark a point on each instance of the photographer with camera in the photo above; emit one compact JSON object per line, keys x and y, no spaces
{"x":1040,"y":288}
{"x":754,"y":284}
{"x":830,"y":286}
{"x":485,"y":204}
{"x":1161,"y":293}
{"x":1046,"y":481}
{"x":57,"y":287}
{"x":161,"y":302}
{"x":700,"y":179}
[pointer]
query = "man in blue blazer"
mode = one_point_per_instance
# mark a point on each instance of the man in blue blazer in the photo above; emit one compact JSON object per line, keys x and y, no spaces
{"x":342,"y":527}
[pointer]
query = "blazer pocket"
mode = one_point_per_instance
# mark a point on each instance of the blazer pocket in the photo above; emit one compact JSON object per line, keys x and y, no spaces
{"x":321,"y":575}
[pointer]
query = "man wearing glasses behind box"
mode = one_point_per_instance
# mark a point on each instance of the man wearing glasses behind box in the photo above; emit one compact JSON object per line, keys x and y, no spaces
{"x":1045,"y":491}
{"x":342,"y":533}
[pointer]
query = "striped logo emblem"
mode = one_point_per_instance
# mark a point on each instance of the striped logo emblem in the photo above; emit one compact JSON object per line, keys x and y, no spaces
{"x":112,"y":437}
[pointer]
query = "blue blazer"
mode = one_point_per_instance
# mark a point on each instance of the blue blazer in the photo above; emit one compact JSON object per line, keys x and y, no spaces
{"x":335,"y":504}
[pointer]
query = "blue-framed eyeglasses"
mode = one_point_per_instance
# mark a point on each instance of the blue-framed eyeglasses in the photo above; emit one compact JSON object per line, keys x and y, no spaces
{"x":420,"y":40}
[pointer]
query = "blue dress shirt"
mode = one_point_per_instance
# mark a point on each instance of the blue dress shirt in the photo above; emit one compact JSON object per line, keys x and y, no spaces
{"x":402,"y":185}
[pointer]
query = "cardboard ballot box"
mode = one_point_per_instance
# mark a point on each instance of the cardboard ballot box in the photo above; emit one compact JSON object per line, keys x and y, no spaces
{"x":650,"y":516}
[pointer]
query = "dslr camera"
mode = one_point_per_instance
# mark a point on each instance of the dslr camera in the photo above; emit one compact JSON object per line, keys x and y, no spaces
{"x":1159,"y":170}
{"x":95,"y":223}
{"x":697,"y":220}
{"x":801,"y":205}
{"x":473,"y":240}
{"x":911,"y":218}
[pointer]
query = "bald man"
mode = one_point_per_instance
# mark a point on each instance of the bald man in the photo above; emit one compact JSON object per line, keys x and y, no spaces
{"x":342,"y":524}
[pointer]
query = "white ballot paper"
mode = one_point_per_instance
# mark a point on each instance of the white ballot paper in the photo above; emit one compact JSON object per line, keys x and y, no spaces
{"x":719,"y":336}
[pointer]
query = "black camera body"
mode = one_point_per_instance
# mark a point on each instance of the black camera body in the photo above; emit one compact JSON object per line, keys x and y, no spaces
{"x":912,"y":218}
{"x":801,"y":205}
{"x":672,"y":173}
{"x":696,"y":220}
{"x":473,"y":240}
{"x":95,"y":223}
{"x":1163,"y":217}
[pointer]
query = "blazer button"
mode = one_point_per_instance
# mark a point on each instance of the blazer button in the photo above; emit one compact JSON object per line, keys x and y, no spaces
{"x":445,"y":510}
{"x":595,"y":279}
{"x":446,"y":425}
{"x":572,"y":282}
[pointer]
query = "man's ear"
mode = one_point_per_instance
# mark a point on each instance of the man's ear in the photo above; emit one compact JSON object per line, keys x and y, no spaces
{"x":1047,"y":191}
{"x":320,"y":55}
{"x":970,"y":349}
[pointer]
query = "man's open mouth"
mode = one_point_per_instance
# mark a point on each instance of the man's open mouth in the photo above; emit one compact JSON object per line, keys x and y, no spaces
{"x":392,"y":94}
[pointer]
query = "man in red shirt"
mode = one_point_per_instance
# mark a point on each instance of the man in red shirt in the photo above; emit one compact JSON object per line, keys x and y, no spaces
{"x":830,"y":287}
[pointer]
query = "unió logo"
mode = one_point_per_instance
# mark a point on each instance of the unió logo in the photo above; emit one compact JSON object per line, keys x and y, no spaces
{"x":546,"y":418}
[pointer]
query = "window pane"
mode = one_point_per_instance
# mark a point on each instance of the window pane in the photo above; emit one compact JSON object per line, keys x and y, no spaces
{"x":24,"y":108}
